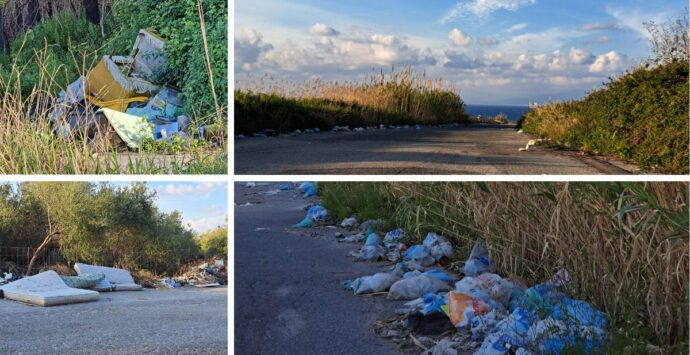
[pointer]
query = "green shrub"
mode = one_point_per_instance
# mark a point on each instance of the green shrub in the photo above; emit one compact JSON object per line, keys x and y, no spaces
{"x":177,"y":21}
{"x":214,"y":242}
{"x":63,"y":47}
{"x":641,"y":117}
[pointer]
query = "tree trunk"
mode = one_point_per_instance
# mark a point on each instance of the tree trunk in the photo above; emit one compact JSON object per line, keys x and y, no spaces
{"x":45,"y":243}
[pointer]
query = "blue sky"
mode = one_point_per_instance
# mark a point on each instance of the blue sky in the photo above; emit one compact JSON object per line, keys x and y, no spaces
{"x":204,"y":205}
{"x":494,"y":51}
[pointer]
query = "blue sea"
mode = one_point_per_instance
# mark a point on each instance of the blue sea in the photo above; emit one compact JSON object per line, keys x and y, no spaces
{"x":513,"y":112}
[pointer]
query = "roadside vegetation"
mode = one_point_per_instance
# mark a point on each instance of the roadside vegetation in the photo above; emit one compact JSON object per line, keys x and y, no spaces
{"x":626,"y":245}
{"x":395,"y":98}
{"x":43,"y":60}
{"x":641,"y":116}
{"x":99,"y":224}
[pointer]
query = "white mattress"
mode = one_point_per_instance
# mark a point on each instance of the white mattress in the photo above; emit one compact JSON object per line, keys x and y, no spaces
{"x":46,"y":289}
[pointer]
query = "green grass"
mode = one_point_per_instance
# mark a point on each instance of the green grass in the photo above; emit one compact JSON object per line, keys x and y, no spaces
{"x":641,"y":117}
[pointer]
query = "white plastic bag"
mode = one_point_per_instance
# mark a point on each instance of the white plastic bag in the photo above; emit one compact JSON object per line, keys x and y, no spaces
{"x":438,"y":246}
{"x":379,"y":282}
{"x":418,"y":286}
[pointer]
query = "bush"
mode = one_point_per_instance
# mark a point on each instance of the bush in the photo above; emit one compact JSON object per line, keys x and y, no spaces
{"x":98,"y":224}
{"x":214,"y":242}
{"x":397,"y":98}
{"x":641,"y":116}
{"x":62,"y":48}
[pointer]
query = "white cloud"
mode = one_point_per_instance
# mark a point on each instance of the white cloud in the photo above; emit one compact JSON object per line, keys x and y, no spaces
{"x":488,"y":41}
{"x":357,"y":50}
{"x":516,"y":28}
{"x":634,"y":19}
{"x":207,"y":223}
{"x":459,"y":38}
{"x":598,"y":26}
{"x":608,"y":62}
{"x":483,"y":8}
{"x":249,"y":48}
{"x":319,"y":29}
{"x":181,"y":189}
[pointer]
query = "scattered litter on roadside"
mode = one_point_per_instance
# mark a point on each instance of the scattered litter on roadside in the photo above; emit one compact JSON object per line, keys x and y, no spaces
{"x":355,"y":238}
{"x":478,"y":261}
{"x":349,"y":222}
{"x":203,"y":273}
{"x":308,"y":189}
{"x":315,"y":214}
{"x":480,"y":312}
{"x":261,"y":229}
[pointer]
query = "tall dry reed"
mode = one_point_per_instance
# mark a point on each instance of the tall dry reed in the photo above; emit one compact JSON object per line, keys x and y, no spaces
{"x":625,"y":244}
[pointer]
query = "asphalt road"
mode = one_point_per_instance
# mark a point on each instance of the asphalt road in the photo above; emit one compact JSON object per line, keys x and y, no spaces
{"x":288,"y":297}
{"x":474,"y":149}
{"x":181,"y":321}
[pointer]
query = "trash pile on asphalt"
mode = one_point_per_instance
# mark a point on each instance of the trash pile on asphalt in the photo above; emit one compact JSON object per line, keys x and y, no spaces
{"x":272,"y":133}
{"x":211,"y":272}
{"x":481,"y":311}
{"x":118,"y":100}
{"x":49,"y":288}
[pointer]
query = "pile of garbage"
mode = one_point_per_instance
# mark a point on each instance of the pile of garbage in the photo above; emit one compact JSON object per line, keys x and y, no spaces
{"x":482,"y":311}
{"x":118,"y":100}
{"x":211,"y":272}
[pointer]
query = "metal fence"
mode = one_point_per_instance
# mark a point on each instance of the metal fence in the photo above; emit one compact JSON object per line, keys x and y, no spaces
{"x":22,"y":255}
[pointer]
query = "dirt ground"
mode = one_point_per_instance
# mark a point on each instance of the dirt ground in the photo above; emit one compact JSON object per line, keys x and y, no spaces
{"x":180,"y":321}
{"x":475,"y":149}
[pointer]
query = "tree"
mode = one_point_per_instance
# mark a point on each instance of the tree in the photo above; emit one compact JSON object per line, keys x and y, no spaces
{"x":670,"y":40}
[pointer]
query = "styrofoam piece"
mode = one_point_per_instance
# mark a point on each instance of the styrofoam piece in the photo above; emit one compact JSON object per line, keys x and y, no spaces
{"x":46,"y":289}
{"x":120,"y":279}
{"x":127,"y":287}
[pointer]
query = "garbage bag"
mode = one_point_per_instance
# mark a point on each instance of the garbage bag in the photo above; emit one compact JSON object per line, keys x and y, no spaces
{"x":415,"y":287}
{"x":308,"y":189}
{"x":478,"y":262}
{"x":434,"y":323}
{"x":305,"y":223}
{"x":578,"y":313}
{"x":444,"y":347}
{"x":484,"y":324}
{"x":437,"y":246}
{"x":317,"y":213}
{"x":372,"y":240}
{"x":349,"y":222}
{"x":462,"y":308}
{"x":434,"y":302}
{"x":379,"y":282}
{"x":550,"y":336}
{"x":509,"y":333}
{"x":407,"y":266}
{"x":355,"y":238}
{"x":439,"y":275}
{"x":486,"y":287}
{"x":371,"y":253}
{"x":393,"y":237}
{"x":420,"y":255}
